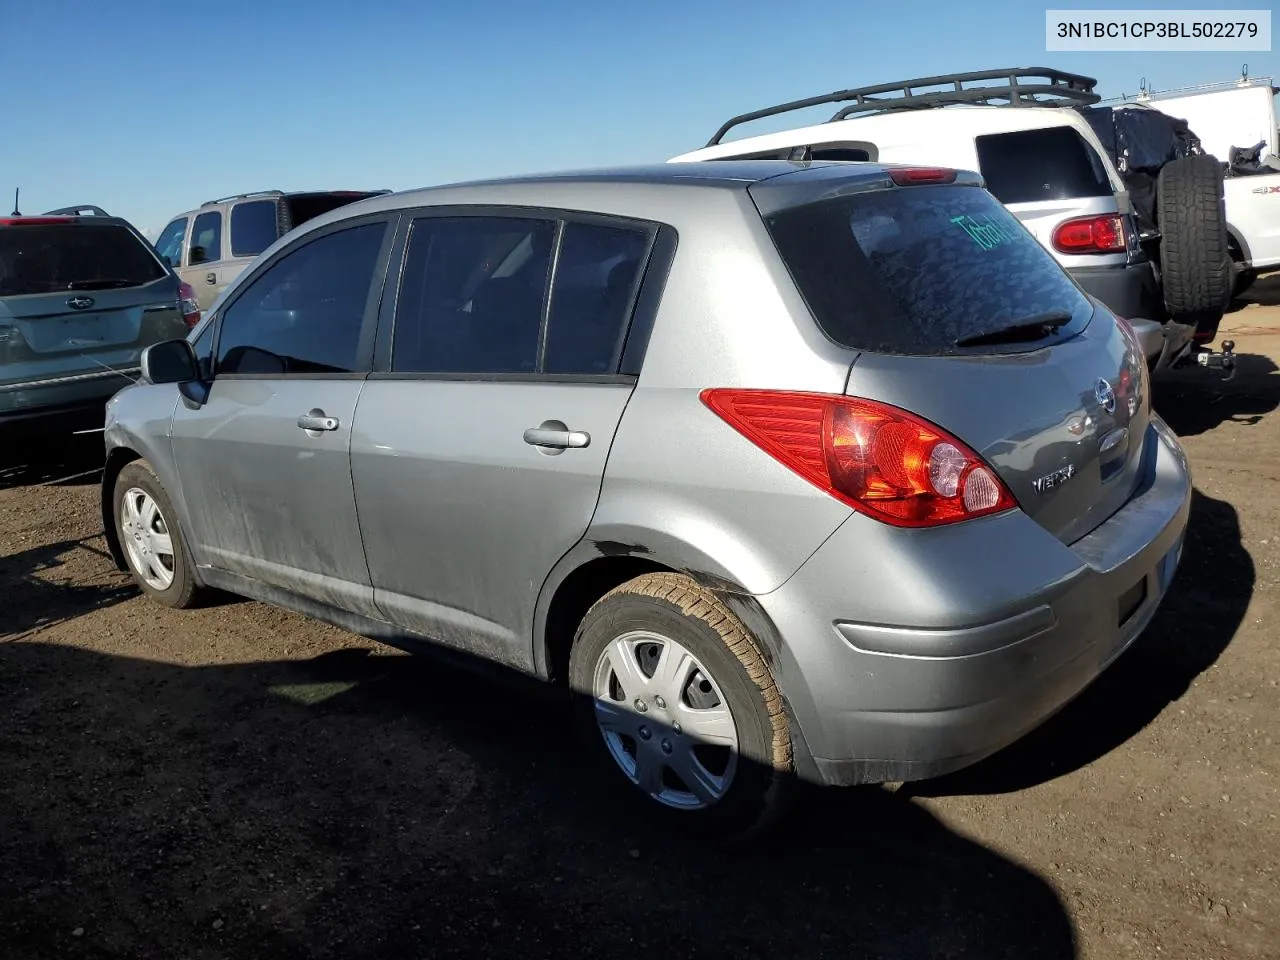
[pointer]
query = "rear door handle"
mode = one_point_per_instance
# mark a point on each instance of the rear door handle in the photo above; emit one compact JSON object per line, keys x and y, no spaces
{"x":556,"y":436}
{"x":210,"y":278}
{"x":316,"y":420}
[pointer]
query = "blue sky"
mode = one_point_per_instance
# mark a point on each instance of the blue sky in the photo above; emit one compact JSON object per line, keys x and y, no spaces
{"x":149,"y":108}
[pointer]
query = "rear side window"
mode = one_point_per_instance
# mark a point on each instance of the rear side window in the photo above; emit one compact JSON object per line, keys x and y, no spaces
{"x":253,"y":227}
{"x":912,"y":270}
{"x":1053,"y":163}
{"x":206,"y":239}
{"x":472,"y":295}
{"x":596,"y":276}
{"x":53,"y":258}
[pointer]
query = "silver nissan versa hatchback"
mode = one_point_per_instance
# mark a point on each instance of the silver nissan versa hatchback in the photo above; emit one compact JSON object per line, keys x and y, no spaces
{"x":785,"y":472}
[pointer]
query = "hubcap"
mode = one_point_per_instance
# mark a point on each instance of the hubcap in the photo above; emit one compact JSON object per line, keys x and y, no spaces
{"x":664,"y":720}
{"x":146,"y":539}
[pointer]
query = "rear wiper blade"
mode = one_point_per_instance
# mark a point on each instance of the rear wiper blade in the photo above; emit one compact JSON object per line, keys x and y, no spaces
{"x":1029,"y":328}
{"x":100,"y":284}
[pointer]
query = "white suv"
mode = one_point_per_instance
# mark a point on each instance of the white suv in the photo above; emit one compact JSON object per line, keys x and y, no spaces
{"x":1037,"y":155}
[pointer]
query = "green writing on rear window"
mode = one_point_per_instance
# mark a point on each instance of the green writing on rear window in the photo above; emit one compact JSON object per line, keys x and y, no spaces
{"x":986,"y":231}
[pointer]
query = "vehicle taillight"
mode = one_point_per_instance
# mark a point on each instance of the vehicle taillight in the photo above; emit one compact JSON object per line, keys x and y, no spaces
{"x":1104,"y":234}
{"x":878,"y":459}
{"x":907,"y":176}
{"x":1134,"y":378}
{"x":189,"y":305}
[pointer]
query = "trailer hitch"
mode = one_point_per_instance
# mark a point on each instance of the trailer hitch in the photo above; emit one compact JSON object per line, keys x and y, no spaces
{"x":1224,"y":359}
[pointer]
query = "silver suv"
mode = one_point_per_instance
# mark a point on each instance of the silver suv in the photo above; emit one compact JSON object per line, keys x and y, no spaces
{"x":209,"y":246}
{"x":786,"y":471}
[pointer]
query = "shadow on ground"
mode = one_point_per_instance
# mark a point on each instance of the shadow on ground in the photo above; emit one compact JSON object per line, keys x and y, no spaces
{"x":1200,"y":614}
{"x":70,"y":460}
{"x":35,"y":597}
{"x":356,"y":805}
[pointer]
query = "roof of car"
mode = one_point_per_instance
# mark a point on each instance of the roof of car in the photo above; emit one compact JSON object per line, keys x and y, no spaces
{"x":890,"y":130}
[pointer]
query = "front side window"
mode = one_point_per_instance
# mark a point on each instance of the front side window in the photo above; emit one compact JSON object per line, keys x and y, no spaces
{"x":206,"y":239}
{"x":169,"y":246}
{"x":305,"y":312}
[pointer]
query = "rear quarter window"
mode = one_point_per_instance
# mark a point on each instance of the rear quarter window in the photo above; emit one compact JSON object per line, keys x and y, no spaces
{"x":53,"y":258}
{"x":1052,"y":163}
{"x":912,"y":270}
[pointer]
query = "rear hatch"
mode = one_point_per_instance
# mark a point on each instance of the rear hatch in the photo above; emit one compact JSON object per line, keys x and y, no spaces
{"x":79,"y":298}
{"x":964,"y":319}
{"x":1049,"y":176}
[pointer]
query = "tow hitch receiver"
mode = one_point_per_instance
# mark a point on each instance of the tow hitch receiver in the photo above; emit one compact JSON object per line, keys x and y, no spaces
{"x":1219,"y":360}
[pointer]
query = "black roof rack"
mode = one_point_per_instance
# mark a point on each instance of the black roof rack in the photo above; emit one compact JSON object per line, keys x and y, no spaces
{"x":77,"y":211}
{"x":1048,"y":88}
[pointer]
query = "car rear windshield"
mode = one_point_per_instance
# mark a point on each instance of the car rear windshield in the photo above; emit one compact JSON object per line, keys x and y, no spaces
{"x":914,"y":270}
{"x":1051,"y":163}
{"x":49,"y":258}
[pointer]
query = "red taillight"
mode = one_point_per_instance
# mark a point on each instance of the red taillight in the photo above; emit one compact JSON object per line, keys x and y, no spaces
{"x":907,"y":176}
{"x":1103,"y":234}
{"x":878,"y":459}
{"x":189,"y":305}
{"x":32,"y":221}
{"x":1134,"y":380}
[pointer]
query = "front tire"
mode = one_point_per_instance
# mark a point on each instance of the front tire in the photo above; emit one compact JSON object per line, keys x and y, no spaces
{"x":147,"y":528}
{"x":676,"y":703}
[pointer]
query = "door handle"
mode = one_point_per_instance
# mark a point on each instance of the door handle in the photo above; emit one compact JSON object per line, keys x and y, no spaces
{"x":210,"y":278}
{"x":555,"y":435}
{"x":316,"y":420}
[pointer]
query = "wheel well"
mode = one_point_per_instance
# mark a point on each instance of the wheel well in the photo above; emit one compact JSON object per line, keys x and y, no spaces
{"x":576,"y":595}
{"x":116,"y":461}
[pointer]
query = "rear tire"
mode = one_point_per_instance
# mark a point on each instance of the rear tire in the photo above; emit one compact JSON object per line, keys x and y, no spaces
{"x":698,"y":683}
{"x":150,"y":539}
{"x":1195,"y":262}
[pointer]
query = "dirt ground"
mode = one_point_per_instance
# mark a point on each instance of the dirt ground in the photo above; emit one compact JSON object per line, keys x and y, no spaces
{"x":244,"y":782}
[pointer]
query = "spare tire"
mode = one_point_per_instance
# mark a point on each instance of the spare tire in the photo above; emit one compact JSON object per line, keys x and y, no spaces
{"x":1195,"y":263}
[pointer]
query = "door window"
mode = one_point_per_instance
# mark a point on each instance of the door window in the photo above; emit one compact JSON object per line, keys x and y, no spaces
{"x":169,"y":246}
{"x":596,"y":276}
{"x":206,"y":239}
{"x":472,"y":295}
{"x":473,"y":298}
{"x":305,"y":312}
{"x":253,"y":227}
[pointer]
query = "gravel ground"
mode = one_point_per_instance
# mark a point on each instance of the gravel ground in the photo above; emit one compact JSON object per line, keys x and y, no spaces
{"x":243,"y":782}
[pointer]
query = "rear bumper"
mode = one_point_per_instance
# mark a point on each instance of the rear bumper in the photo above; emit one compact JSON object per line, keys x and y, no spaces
{"x":910,"y":654}
{"x":61,"y":406}
{"x":1129,"y":289}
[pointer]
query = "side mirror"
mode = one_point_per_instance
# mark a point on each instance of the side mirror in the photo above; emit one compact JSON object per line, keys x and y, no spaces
{"x":170,"y":361}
